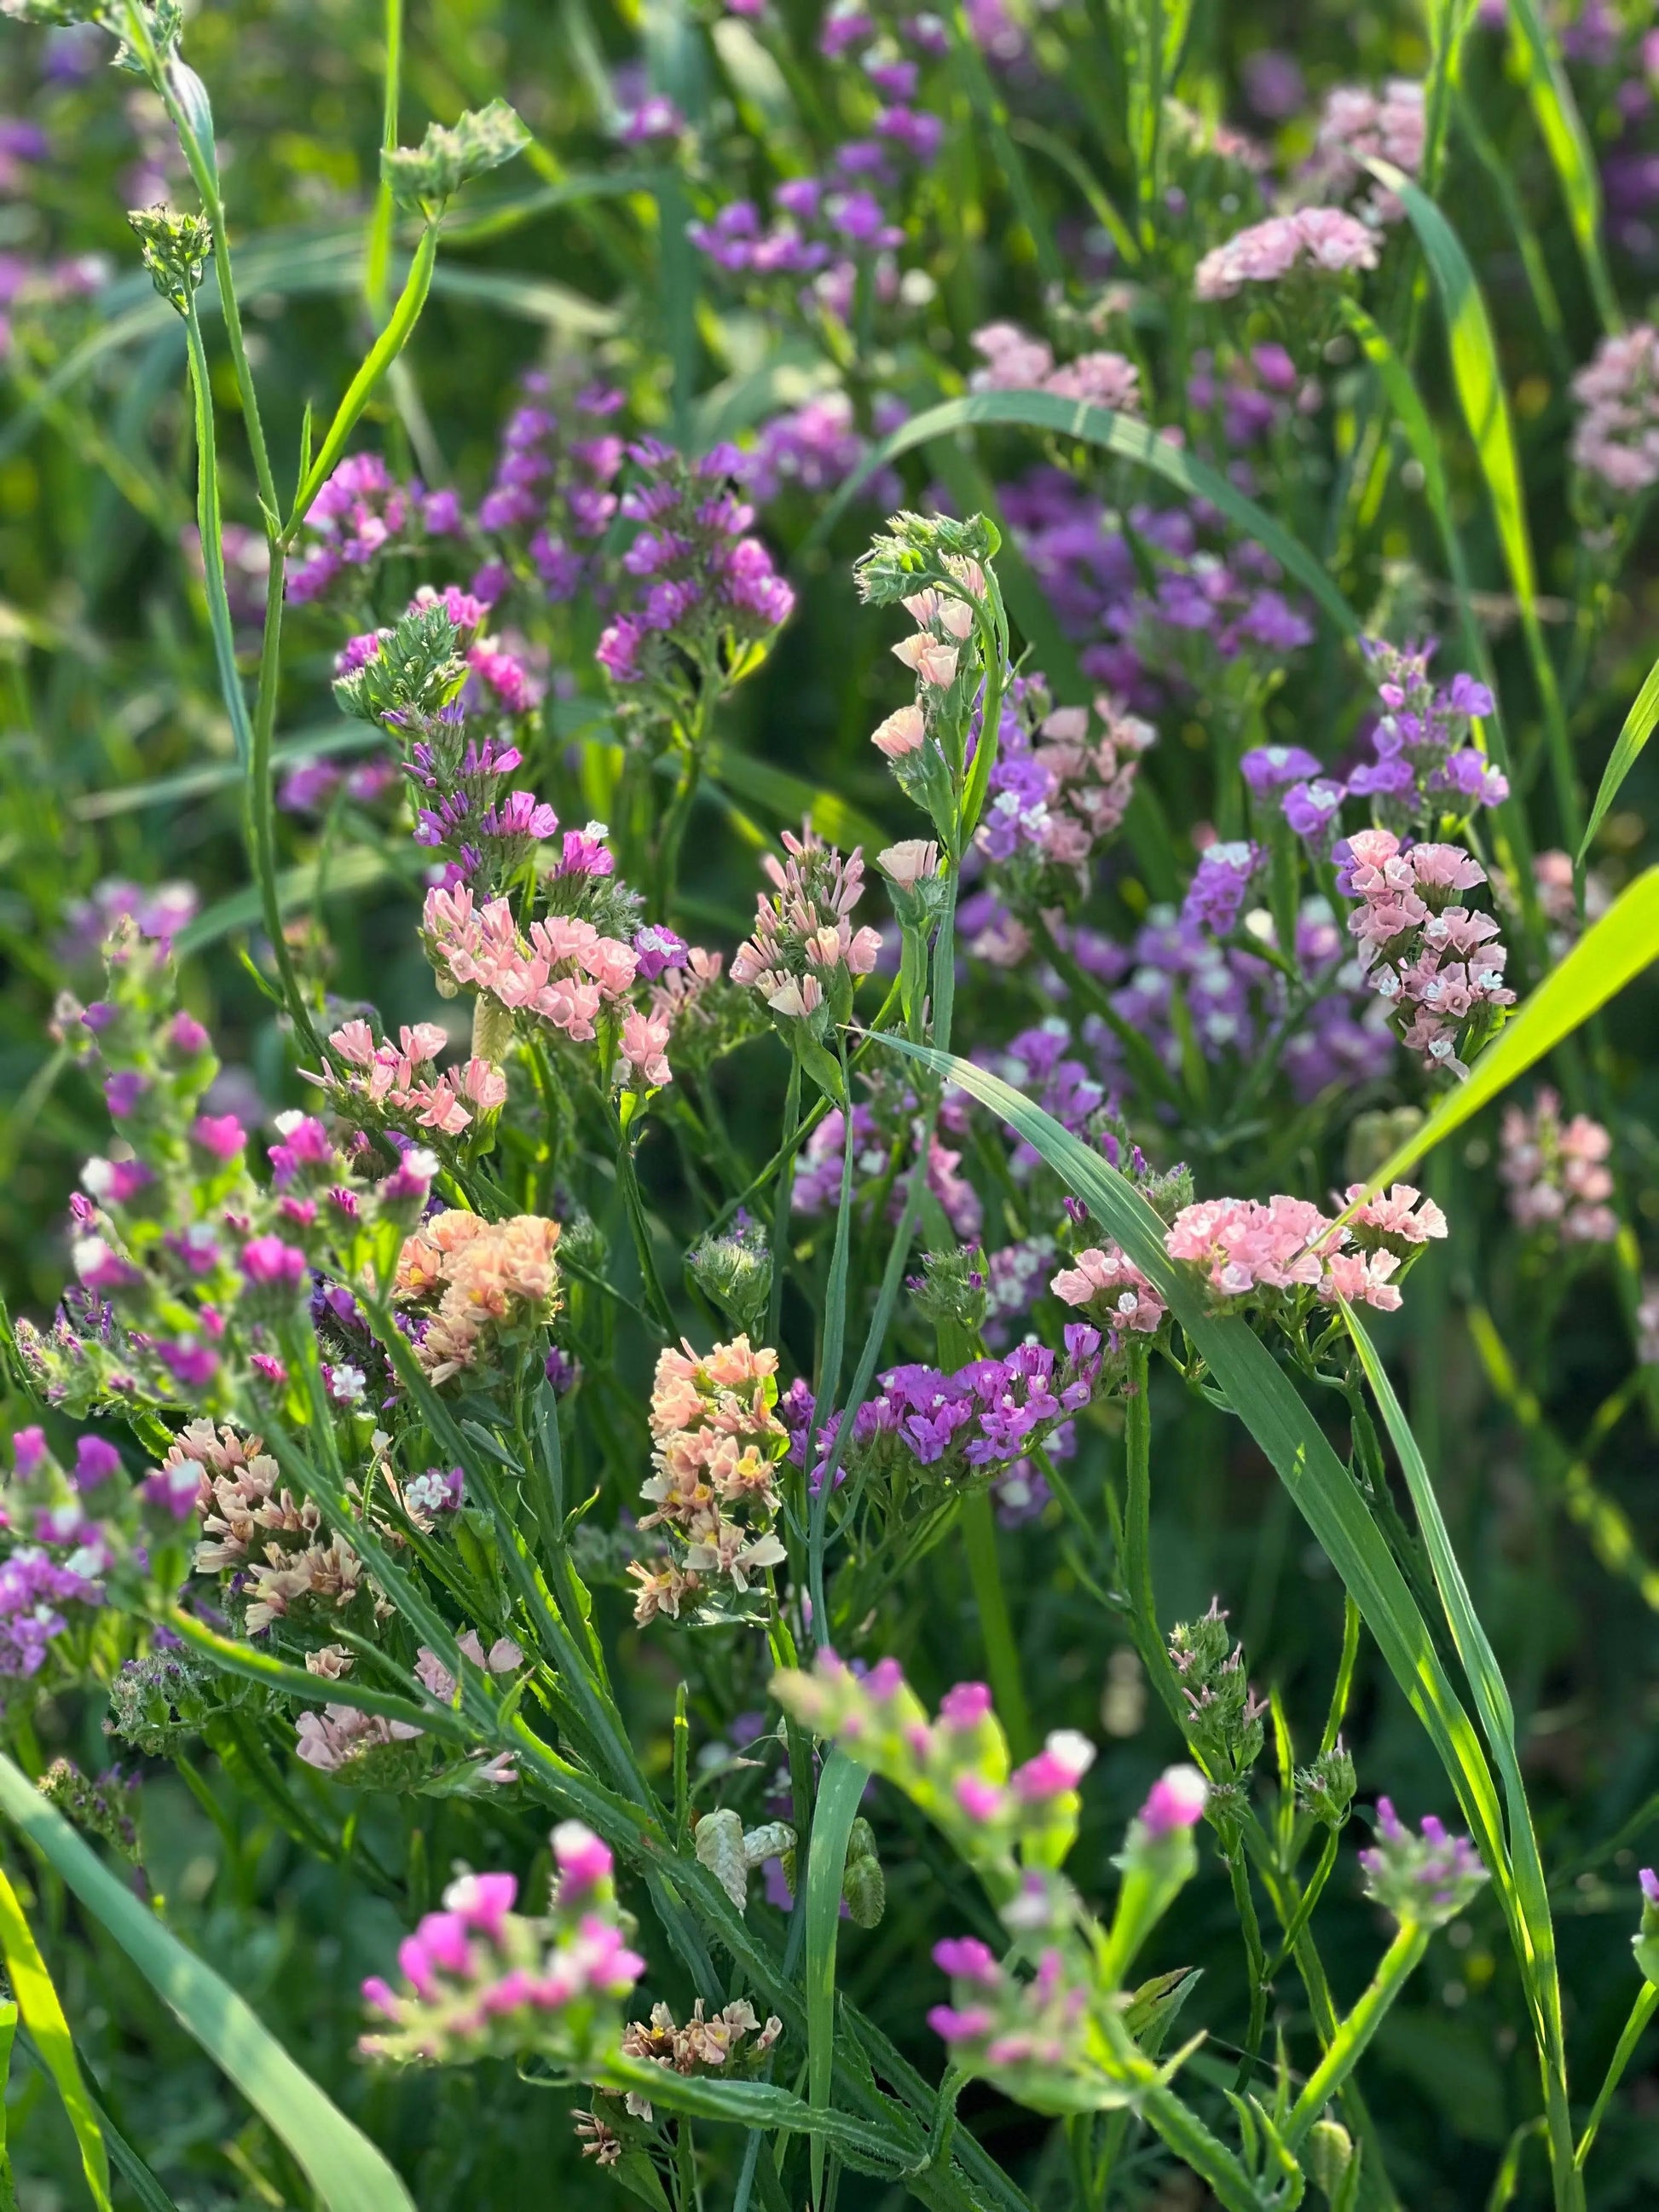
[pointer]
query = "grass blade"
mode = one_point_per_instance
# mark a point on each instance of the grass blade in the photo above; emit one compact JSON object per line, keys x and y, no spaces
{"x":1638,"y":728}
{"x":37,"y":1998}
{"x":379,"y":358}
{"x":1485,"y":410}
{"x":1497,"y":1711}
{"x":346,"y":2171}
{"x":840,"y":1789}
{"x":1562,"y":129}
{"x":211,"y":528}
{"x":1265,"y":1399}
{"x":1131,"y":440}
{"x":1610,"y":953}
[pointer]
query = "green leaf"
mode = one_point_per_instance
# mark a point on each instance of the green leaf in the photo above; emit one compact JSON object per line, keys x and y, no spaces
{"x":8,"y":2035}
{"x":1638,"y":728}
{"x":379,"y":357}
{"x":344,"y":2169}
{"x":840,"y":1789}
{"x":759,"y":2104}
{"x":1265,"y":1399}
{"x":1491,"y":1697}
{"x":791,"y":799}
{"x":358,"y":869}
{"x":1610,"y":953}
{"x":1121,"y":435}
{"x":211,"y":533}
{"x":1562,"y":129}
{"x":37,"y":1998}
{"x":1413,"y":415}
{"x":328,"y":738}
{"x":1486,"y":407}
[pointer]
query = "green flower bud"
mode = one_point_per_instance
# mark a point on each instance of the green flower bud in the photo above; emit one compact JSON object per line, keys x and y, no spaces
{"x":863,"y":1884}
{"x":1325,"y":1788}
{"x":175,"y":249}
{"x":734,"y":1271}
{"x":427,"y":175}
{"x":415,"y":671}
{"x":1328,"y":2155}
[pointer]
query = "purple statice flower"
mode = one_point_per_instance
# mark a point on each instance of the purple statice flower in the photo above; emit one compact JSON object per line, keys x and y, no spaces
{"x":1215,"y":896}
{"x":1312,"y":808}
{"x":1267,"y":769}
{"x":1421,"y":765}
{"x":657,"y":948}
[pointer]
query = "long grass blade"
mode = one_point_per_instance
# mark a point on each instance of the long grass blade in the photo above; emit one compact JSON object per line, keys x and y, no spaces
{"x":1485,"y":408}
{"x":1131,"y":440}
{"x":346,"y":2171}
{"x":840,"y":1789}
{"x":1562,"y":129}
{"x":1638,"y":728}
{"x":43,"y":2013}
{"x":1610,"y":953}
{"x":1264,"y":1399}
{"x":379,"y":357}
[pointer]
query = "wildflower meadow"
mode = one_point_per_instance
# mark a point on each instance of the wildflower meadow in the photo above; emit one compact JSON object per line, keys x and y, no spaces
{"x":829,"y":1105}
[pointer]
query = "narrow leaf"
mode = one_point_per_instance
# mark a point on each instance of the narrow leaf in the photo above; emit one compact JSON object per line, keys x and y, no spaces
{"x":345,"y":2170}
{"x":1610,"y":953}
{"x":1638,"y":728}
{"x":1121,"y":435}
{"x":1562,"y":129}
{"x":381,"y":356}
{"x":840,"y":1789}
{"x":37,"y":1998}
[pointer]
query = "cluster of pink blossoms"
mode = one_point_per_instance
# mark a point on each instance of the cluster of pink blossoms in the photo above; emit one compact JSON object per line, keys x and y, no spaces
{"x":1322,"y":240}
{"x":1617,"y":437}
{"x":1557,"y":1172}
{"x":1245,"y":1245}
{"x":483,"y":1981}
{"x":566,"y":975}
{"x":400,"y":1082}
{"x":1440,"y":964}
{"x":956,"y":1769}
{"x":1358,"y":125}
{"x":1113,"y":1289}
{"x":1016,"y":362}
{"x":1001,"y":2022}
{"x":803,"y":942}
{"x":715,"y":1446}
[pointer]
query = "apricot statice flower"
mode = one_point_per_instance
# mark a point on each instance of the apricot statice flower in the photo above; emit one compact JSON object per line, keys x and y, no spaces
{"x":280,"y":1558}
{"x":480,"y":1980}
{"x":1242,"y":1248}
{"x":1322,"y":240}
{"x":493,"y":1286}
{"x":1557,"y":1172}
{"x":715,"y":1445}
{"x":702,"y":2045}
{"x":804,"y":953}
{"x":1440,"y":965}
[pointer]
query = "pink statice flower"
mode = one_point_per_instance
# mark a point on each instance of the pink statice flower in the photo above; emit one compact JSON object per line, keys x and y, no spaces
{"x":1557,"y":1173}
{"x":1324,"y":241}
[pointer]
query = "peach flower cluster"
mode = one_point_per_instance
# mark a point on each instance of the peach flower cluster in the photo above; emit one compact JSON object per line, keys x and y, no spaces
{"x":1438,"y":963}
{"x":1617,"y":436}
{"x":399,"y":1081}
{"x":254,"y":1527}
{"x":565,"y":973}
{"x":1557,"y":1172}
{"x":491,"y":1283}
{"x":803,"y":936}
{"x":716,"y":1442}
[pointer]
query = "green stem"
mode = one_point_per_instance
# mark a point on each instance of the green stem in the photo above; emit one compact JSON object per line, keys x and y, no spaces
{"x":1352,"y":2037}
{"x":979,"y":1533}
{"x":1640,"y":2013}
{"x":378,"y":260}
{"x":1192,"y":2141}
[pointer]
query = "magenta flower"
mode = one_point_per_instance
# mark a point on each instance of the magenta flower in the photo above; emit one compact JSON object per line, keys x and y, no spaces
{"x":272,"y":1265}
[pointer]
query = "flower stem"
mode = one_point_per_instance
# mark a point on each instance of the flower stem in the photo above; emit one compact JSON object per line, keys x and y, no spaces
{"x":1352,"y":2037}
{"x":1640,"y":2013}
{"x":978,"y":1534}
